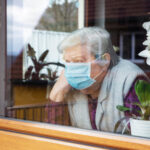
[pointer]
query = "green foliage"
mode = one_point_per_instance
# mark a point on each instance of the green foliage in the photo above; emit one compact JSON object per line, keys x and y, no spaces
{"x":122,"y":108}
{"x":33,"y":72}
{"x":142,"y":89}
{"x":43,"y":55}
{"x":60,"y":16}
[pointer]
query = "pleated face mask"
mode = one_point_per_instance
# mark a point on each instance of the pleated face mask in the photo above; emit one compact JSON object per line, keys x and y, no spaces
{"x":78,"y":75}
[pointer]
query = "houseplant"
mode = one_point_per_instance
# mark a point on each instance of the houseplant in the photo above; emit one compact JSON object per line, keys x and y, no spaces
{"x":34,"y":88}
{"x":139,"y":121}
{"x":34,"y":72}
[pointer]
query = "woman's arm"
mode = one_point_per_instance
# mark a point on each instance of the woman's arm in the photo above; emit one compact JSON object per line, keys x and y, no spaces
{"x":60,"y":89}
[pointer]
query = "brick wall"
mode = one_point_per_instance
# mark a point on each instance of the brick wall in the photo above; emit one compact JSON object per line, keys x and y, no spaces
{"x":117,"y":9}
{"x":16,"y":67}
{"x":126,"y":8}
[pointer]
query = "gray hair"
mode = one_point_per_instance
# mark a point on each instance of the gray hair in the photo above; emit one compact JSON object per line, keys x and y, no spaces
{"x":96,"y":39}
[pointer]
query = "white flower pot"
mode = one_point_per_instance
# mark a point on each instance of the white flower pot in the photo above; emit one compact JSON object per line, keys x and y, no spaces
{"x":140,"y":127}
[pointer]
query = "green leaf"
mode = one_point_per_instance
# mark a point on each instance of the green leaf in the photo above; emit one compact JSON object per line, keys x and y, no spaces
{"x":28,"y":72}
{"x":122,"y":108}
{"x":31,"y":51}
{"x":43,"y":55}
{"x":142,"y":89}
{"x":147,"y":113}
{"x":138,"y":104}
{"x":49,"y":72}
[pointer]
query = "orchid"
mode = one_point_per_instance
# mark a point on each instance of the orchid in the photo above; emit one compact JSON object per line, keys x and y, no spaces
{"x":146,"y":53}
{"x":146,"y":25}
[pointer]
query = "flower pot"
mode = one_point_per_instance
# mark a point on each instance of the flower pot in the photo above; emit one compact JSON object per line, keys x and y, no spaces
{"x":140,"y":127}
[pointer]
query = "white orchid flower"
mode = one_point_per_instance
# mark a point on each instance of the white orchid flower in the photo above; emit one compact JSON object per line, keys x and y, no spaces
{"x":148,"y":61}
{"x":148,"y":33}
{"x":147,"y":42}
{"x":148,"y":37}
{"x":145,"y":53}
{"x":146,"y":25}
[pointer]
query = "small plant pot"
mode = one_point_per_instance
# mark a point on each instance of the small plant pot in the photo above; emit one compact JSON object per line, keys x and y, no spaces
{"x":140,"y":127}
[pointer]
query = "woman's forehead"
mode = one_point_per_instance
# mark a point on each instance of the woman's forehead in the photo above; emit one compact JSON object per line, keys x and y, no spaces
{"x":77,"y":50}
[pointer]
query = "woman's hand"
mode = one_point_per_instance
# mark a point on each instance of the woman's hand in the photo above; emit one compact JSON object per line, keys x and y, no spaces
{"x":60,"y":89}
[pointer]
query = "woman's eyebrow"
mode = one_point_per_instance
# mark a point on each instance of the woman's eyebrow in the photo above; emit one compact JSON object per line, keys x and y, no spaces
{"x":78,"y":55}
{"x":79,"y":58}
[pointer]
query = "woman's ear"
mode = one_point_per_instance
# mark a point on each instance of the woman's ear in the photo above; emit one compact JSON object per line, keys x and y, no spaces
{"x":107,"y":57}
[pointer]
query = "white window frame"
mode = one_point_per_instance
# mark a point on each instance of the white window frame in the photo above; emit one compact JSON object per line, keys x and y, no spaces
{"x":81,"y":13}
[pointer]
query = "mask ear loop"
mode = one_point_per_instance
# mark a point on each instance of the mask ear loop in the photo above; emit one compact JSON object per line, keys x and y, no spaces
{"x":101,"y":61}
{"x":102,"y":70}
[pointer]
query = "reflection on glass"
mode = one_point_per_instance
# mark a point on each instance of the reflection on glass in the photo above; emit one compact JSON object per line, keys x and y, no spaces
{"x":33,"y":62}
{"x":95,"y":79}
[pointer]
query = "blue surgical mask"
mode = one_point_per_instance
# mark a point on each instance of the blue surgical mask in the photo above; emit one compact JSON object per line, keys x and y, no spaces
{"x":78,"y":75}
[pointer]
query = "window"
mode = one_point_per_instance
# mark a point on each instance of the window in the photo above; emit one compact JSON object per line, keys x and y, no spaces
{"x":130,"y":46}
{"x":33,"y":32}
{"x":34,"y":63}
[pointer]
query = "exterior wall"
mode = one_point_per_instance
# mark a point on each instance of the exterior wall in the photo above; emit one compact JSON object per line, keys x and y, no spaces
{"x":126,"y":8}
{"x":123,"y":19}
{"x":25,"y":95}
{"x":115,"y":9}
{"x":16,"y":66}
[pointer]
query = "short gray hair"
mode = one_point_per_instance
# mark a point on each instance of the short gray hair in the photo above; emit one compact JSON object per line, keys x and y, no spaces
{"x":97,"y":40}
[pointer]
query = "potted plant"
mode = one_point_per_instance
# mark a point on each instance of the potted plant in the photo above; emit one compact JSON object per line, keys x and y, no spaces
{"x":36,"y":85}
{"x":34,"y":72}
{"x":140,"y":121}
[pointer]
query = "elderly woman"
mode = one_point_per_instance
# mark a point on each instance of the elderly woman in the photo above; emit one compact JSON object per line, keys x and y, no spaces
{"x":95,"y":80}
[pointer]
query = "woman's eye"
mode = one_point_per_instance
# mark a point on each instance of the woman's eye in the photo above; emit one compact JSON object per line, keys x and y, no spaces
{"x":80,"y":60}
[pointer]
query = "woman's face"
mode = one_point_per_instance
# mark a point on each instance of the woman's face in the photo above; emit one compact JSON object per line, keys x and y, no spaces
{"x":80,"y":53}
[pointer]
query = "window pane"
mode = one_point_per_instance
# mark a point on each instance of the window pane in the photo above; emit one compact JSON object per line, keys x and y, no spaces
{"x":62,"y":73}
{"x":127,"y":46}
{"x":33,"y":61}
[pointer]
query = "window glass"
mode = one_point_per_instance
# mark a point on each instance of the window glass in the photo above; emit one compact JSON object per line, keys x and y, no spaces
{"x":33,"y":61}
{"x":77,"y":63}
{"x":127,"y":46}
